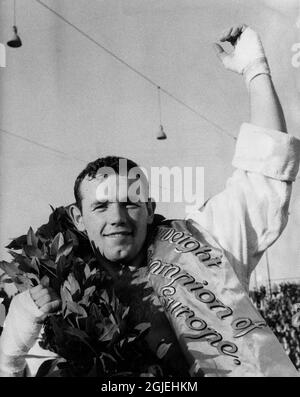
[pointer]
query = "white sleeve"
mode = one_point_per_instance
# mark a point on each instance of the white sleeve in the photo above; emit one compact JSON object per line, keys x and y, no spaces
{"x":251,"y":212}
{"x":20,"y":332}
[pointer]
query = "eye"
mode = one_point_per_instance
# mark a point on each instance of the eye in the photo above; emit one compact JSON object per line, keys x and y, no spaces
{"x":100,"y":207}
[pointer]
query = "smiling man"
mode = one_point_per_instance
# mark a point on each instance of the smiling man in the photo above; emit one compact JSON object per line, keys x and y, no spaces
{"x":114,"y":218}
{"x":197,"y":270}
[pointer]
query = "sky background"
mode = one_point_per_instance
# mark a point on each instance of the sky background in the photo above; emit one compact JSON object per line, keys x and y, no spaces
{"x":63,"y":91}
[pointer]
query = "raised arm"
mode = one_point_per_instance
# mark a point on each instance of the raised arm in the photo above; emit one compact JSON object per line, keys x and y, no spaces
{"x":252,"y":211}
{"x":266,"y":110}
{"x":248,"y":58}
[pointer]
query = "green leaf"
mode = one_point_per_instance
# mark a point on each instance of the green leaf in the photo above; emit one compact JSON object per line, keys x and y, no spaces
{"x":125,"y":313}
{"x":48,"y":263}
{"x":32,"y":239}
{"x":104,"y":296}
{"x":35,"y":264}
{"x":61,"y":269}
{"x":23,"y":283}
{"x":72,"y":284}
{"x":108,"y":332}
{"x":57,"y":242}
{"x":17,"y":243}
{"x":14,"y":254}
{"x":27,"y":265}
{"x":47,"y":367}
{"x":11,"y":269}
{"x":88,"y":292}
{"x":71,"y":237}
{"x":64,"y":250}
{"x":65,"y":296}
{"x":32,"y":251}
{"x":23,"y":262}
{"x":92,"y":274}
{"x":162,"y":349}
{"x":95,"y":312}
{"x":142,"y":327}
{"x":76,"y":308}
{"x":2,"y":314}
{"x":44,"y":250}
{"x":45,"y":266}
{"x":131,"y":338}
{"x":87,"y":271}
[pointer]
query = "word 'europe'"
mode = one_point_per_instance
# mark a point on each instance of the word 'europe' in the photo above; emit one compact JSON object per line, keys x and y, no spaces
{"x":177,"y":309}
{"x":242,"y":326}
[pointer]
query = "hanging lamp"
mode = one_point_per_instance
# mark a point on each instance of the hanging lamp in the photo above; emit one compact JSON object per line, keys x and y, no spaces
{"x":15,"y":42}
{"x":161,"y":133}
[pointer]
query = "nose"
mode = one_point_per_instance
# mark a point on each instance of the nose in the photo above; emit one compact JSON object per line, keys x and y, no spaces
{"x":117,"y":214}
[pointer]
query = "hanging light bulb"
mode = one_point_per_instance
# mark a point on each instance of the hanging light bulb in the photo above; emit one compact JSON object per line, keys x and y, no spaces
{"x":161,"y":133}
{"x":15,"y":42}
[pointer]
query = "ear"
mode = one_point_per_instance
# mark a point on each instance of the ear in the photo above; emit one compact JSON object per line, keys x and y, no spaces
{"x":151,"y":205}
{"x":76,"y":216}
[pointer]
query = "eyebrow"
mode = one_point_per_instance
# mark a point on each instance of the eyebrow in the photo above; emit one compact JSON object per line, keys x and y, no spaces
{"x":105,"y":201}
{"x":94,"y":203}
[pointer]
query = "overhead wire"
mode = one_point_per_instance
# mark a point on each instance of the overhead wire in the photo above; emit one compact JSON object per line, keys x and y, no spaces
{"x":133,"y":69}
{"x":160,"y":89}
{"x":56,"y":151}
{"x":159,"y":105}
{"x":15,"y":14}
{"x":49,"y":148}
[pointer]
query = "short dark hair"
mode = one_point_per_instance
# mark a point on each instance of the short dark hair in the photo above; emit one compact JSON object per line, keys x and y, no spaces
{"x":92,"y":168}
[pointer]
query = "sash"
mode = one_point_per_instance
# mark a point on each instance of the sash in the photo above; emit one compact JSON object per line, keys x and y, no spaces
{"x":218,"y":328}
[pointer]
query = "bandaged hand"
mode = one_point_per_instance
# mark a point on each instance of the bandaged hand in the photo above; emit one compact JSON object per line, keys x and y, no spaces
{"x":22,"y":326}
{"x":45,"y":299}
{"x":248,"y":56}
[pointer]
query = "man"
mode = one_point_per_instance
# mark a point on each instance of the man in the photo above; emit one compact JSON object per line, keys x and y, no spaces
{"x":198,"y":269}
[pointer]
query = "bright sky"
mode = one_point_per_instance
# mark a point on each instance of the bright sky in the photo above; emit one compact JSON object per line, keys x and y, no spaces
{"x":61,"y":90}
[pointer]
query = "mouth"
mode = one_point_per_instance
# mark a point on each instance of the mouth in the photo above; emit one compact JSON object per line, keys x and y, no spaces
{"x":118,"y":234}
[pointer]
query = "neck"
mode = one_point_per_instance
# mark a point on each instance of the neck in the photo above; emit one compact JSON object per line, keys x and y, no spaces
{"x":116,"y":269}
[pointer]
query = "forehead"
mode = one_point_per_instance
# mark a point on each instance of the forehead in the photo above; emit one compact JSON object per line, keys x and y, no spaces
{"x":114,"y":188}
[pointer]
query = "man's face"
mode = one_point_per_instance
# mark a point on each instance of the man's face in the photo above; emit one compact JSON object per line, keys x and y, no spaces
{"x":114,"y":223}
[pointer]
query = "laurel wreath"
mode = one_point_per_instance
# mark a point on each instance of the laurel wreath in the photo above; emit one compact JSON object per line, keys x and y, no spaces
{"x":91,"y":335}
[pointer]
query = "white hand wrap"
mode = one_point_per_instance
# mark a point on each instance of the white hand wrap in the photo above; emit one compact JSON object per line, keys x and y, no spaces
{"x":248,"y":57}
{"x":257,"y":67}
{"x":21,"y":329}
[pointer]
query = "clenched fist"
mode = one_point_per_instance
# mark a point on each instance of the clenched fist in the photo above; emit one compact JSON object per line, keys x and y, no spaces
{"x":22,"y":327}
{"x":248,"y":55}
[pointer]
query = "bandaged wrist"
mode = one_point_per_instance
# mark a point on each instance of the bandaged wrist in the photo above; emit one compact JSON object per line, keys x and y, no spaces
{"x":20,"y":331}
{"x":257,"y":67}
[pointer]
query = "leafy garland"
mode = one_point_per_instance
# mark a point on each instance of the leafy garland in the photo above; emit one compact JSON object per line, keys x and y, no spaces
{"x":91,"y":335}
